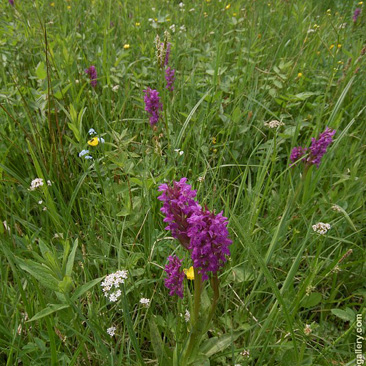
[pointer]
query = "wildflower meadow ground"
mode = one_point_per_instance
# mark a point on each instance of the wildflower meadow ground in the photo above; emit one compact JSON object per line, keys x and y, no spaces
{"x":182,"y":183}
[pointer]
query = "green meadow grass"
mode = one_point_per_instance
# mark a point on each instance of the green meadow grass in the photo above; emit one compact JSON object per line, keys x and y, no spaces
{"x":238,"y":66}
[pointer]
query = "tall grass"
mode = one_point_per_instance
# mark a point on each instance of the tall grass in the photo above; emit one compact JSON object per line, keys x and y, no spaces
{"x":238,"y":65}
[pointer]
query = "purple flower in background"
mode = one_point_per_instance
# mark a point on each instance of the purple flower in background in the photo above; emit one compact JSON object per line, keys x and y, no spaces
{"x":92,"y":72}
{"x":170,"y":78}
{"x":11,"y":2}
{"x":297,"y":153}
{"x":209,"y":241}
{"x":167,"y":53}
{"x":174,"y":282}
{"x":317,"y":149}
{"x":356,"y":14}
{"x":178,"y":207}
{"x":152,"y":105}
{"x":319,"y":146}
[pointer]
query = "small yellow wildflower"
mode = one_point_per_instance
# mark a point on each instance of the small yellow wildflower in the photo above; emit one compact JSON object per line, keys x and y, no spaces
{"x":156,"y":19}
{"x":339,"y":45}
{"x":168,"y":20}
{"x":189,"y":273}
{"x":227,"y":7}
{"x":126,"y":46}
{"x":331,"y":46}
{"x":360,"y":3}
{"x":205,"y":14}
{"x":299,"y":75}
{"x":94,"y":141}
{"x":214,"y":140}
{"x":137,"y":24}
{"x":52,"y":4}
{"x":235,"y":14}
{"x":318,"y":52}
{"x":341,"y":62}
{"x":215,"y":151}
{"x":68,"y":7}
{"x":208,"y":1}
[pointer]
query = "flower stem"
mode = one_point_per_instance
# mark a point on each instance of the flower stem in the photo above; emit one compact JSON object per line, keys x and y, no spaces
{"x":196,"y":328}
{"x":216,"y":294}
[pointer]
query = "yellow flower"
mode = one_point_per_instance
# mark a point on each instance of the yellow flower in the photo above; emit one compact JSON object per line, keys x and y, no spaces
{"x":331,"y":46}
{"x":214,"y":140}
{"x":52,"y":4}
{"x":318,"y":52}
{"x":299,"y":75}
{"x":208,"y":1}
{"x":339,"y":45}
{"x":360,"y":3}
{"x":189,"y":273}
{"x":205,"y":14}
{"x":227,"y":7}
{"x":235,"y":14}
{"x":137,"y":24}
{"x":94,"y":141}
{"x":126,"y":46}
{"x":340,"y":62}
{"x":68,"y":7}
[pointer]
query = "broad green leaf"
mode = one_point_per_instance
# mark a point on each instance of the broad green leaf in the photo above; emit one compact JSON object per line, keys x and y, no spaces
{"x":61,"y":93}
{"x":65,"y":285}
{"x":75,"y":130}
{"x":40,"y":272}
{"x":347,"y":315}
{"x":218,"y":344}
{"x":70,"y":261}
{"x":41,"y":71}
{"x":52,"y":308}
{"x":312,"y":300}
{"x":157,"y":342}
{"x":201,"y":360}
{"x":84,"y":288}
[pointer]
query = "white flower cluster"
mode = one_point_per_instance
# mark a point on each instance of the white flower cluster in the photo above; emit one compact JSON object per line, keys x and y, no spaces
{"x":307,"y":329}
{"x":245,"y":353}
{"x":321,"y":228}
{"x":187,"y":316}
{"x":111,"y":331}
{"x":38,"y":182}
{"x":145,"y":302}
{"x":274,"y":124}
{"x":113,"y":281}
{"x":179,"y":151}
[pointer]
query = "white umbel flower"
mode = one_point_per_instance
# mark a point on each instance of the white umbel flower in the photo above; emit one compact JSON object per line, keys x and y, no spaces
{"x":111,"y":331}
{"x":321,"y":228}
{"x":187,"y":316}
{"x":38,"y":182}
{"x":274,"y":124}
{"x":113,"y":281}
{"x":145,"y":302}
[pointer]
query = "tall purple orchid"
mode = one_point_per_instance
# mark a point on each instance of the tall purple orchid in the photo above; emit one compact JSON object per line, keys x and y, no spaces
{"x":92,"y":72}
{"x":317,"y":149}
{"x":203,"y":233}
{"x":153,"y":105}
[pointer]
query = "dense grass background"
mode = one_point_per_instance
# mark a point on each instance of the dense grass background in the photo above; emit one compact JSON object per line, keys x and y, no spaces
{"x":238,"y":65}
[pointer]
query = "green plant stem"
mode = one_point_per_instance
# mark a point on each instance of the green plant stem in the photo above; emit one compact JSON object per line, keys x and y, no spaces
{"x":195,"y":333}
{"x":215,"y":286}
